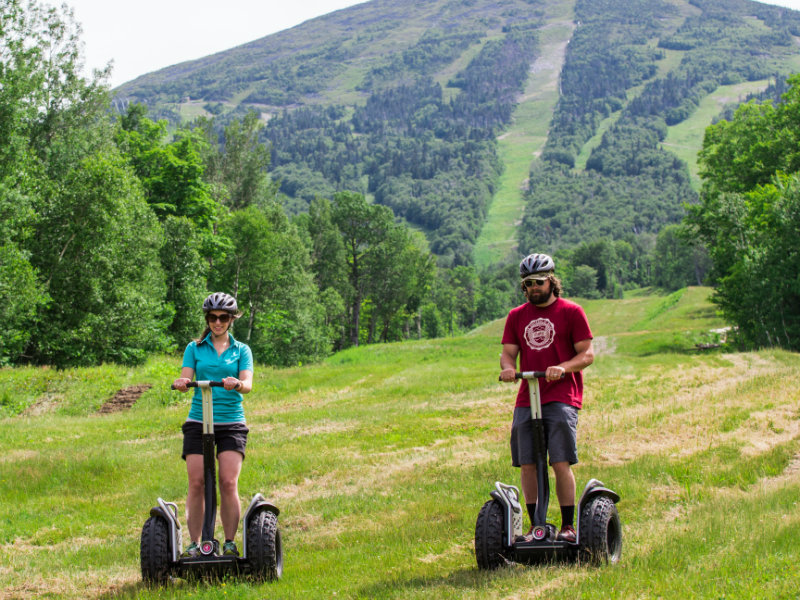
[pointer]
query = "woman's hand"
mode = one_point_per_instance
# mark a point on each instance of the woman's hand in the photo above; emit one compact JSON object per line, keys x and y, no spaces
{"x":231,"y":383}
{"x":180,"y":384}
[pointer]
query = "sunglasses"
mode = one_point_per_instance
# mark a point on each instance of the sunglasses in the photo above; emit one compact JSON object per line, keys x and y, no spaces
{"x":530,"y":282}
{"x":223,"y":318}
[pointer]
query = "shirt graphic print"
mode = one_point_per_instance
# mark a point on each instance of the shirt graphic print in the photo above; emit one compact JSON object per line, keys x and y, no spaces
{"x":539,"y":334}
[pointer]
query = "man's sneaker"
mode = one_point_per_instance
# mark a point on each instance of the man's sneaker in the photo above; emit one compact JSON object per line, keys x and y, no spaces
{"x":528,"y":537}
{"x":229,"y":549}
{"x":567,"y":534}
{"x":192,"y":551}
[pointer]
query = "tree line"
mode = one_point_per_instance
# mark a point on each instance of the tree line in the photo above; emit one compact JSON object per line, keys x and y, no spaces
{"x":749,"y":219}
{"x":432,"y":161}
{"x":115,"y":228}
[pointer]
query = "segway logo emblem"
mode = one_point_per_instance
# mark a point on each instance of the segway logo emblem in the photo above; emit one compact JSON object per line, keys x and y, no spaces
{"x":539,"y":334}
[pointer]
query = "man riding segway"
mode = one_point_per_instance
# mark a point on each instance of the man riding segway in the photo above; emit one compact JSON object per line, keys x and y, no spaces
{"x":552,"y":339}
{"x":550,"y":334}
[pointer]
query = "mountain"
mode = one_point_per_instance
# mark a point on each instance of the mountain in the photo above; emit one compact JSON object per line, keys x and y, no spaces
{"x":494,"y":125}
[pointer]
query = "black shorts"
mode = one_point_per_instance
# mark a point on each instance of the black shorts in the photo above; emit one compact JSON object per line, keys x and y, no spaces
{"x":228,"y":436}
{"x":560,"y":432}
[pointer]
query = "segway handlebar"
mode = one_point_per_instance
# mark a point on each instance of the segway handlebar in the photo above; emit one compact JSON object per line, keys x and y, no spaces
{"x":195,"y":384}
{"x":531,"y":375}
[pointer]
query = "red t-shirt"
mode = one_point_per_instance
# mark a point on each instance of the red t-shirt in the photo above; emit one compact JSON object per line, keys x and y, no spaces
{"x":546,"y":337}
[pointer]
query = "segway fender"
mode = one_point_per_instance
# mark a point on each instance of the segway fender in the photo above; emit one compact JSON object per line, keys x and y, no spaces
{"x":603,"y":491}
{"x":508,"y":497}
{"x":257,"y":504}
{"x":593,"y":489}
{"x":169,"y":512}
{"x":597,"y":488}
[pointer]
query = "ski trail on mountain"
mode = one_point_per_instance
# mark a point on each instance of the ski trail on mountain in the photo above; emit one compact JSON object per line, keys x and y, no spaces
{"x":522,"y":143}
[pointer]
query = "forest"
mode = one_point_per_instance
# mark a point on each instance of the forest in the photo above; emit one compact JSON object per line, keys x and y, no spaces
{"x":116,"y":226}
{"x":340,"y":225}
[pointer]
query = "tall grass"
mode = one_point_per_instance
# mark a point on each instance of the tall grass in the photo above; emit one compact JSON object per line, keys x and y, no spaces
{"x":381,"y":457}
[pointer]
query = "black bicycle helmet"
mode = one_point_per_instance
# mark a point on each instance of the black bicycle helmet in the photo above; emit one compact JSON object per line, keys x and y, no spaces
{"x":220,"y":301}
{"x":535,"y":263}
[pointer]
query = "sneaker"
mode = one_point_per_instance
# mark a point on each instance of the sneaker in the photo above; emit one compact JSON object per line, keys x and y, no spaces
{"x":567,"y":534}
{"x":192,"y":551}
{"x":229,"y":549}
{"x":527,"y":537}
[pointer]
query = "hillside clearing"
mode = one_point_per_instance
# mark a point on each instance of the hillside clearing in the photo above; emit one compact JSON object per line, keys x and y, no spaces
{"x":522,"y":143}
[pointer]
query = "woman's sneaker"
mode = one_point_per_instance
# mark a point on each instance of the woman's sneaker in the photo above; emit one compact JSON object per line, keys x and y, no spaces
{"x":229,"y":549}
{"x":192,"y":551}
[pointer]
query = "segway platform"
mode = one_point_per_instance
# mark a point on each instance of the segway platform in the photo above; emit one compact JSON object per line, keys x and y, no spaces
{"x":499,"y":536}
{"x":161,"y":546}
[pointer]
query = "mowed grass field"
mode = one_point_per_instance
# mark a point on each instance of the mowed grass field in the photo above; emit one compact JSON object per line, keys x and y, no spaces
{"x":381,"y":457}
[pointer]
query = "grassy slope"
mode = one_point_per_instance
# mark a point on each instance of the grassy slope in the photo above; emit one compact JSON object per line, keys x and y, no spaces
{"x":525,"y":138}
{"x":528,"y":134}
{"x":686,"y":138}
{"x":519,"y":146}
{"x":381,"y":457}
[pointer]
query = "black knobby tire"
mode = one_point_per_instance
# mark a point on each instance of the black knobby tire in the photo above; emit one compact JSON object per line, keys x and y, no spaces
{"x":601,"y":531}
{"x":155,"y":556}
{"x":264,"y":549}
{"x":489,"y":550}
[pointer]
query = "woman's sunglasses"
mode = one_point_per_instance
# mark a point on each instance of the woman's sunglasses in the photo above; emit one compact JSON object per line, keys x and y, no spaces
{"x":223,"y":318}
{"x":530,"y":282}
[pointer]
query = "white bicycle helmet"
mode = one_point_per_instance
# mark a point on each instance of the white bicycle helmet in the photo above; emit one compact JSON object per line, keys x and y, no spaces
{"x":220,"y":301}
{"x":535,"y":263}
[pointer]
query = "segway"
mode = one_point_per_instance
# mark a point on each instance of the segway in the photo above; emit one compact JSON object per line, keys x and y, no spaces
{"x":161,"y":543}
{"x":498,"y":530}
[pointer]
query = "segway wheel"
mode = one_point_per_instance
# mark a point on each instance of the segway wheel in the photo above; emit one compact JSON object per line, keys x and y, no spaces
{"x":264,"y":549}
{"x":601,"y":531}
{"x":489,"y":550}
{"x":155,"y":551}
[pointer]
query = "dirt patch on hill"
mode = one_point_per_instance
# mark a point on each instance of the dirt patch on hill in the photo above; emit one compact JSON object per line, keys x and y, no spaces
{"x":124,"y":399}
{"x":47,"y":403}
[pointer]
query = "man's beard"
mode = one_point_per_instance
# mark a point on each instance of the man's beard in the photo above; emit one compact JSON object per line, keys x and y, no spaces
{"x":539,"y":297}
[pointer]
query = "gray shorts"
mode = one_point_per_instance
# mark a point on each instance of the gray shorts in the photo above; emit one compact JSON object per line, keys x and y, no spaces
{"x":560,"y":432}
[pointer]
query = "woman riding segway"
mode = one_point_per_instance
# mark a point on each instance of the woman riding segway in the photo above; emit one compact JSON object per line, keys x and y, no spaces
{"x":216,"y":355}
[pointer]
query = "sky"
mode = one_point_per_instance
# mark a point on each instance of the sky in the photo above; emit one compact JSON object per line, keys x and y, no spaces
{"x":148,"y":35}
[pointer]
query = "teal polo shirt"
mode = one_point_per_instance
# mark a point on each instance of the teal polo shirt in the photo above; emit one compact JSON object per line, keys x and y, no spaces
{"x":210,"y":366}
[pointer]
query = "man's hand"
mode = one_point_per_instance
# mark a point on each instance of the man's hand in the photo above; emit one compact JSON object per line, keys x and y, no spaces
{"x":554,"y":373}
{"x":508,"y":374}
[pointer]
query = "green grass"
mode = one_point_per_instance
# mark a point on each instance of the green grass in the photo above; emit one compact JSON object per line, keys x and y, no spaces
{"x":686,"y":138}
{"x":191,"y":110}
{"x":594,"y":141}
{"x":381,"y":456}
{"x":520,"y":145}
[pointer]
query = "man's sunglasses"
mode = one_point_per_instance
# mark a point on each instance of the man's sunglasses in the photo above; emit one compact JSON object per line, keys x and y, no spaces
{"x":223,"y":318}
{"x":530,"y":282}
